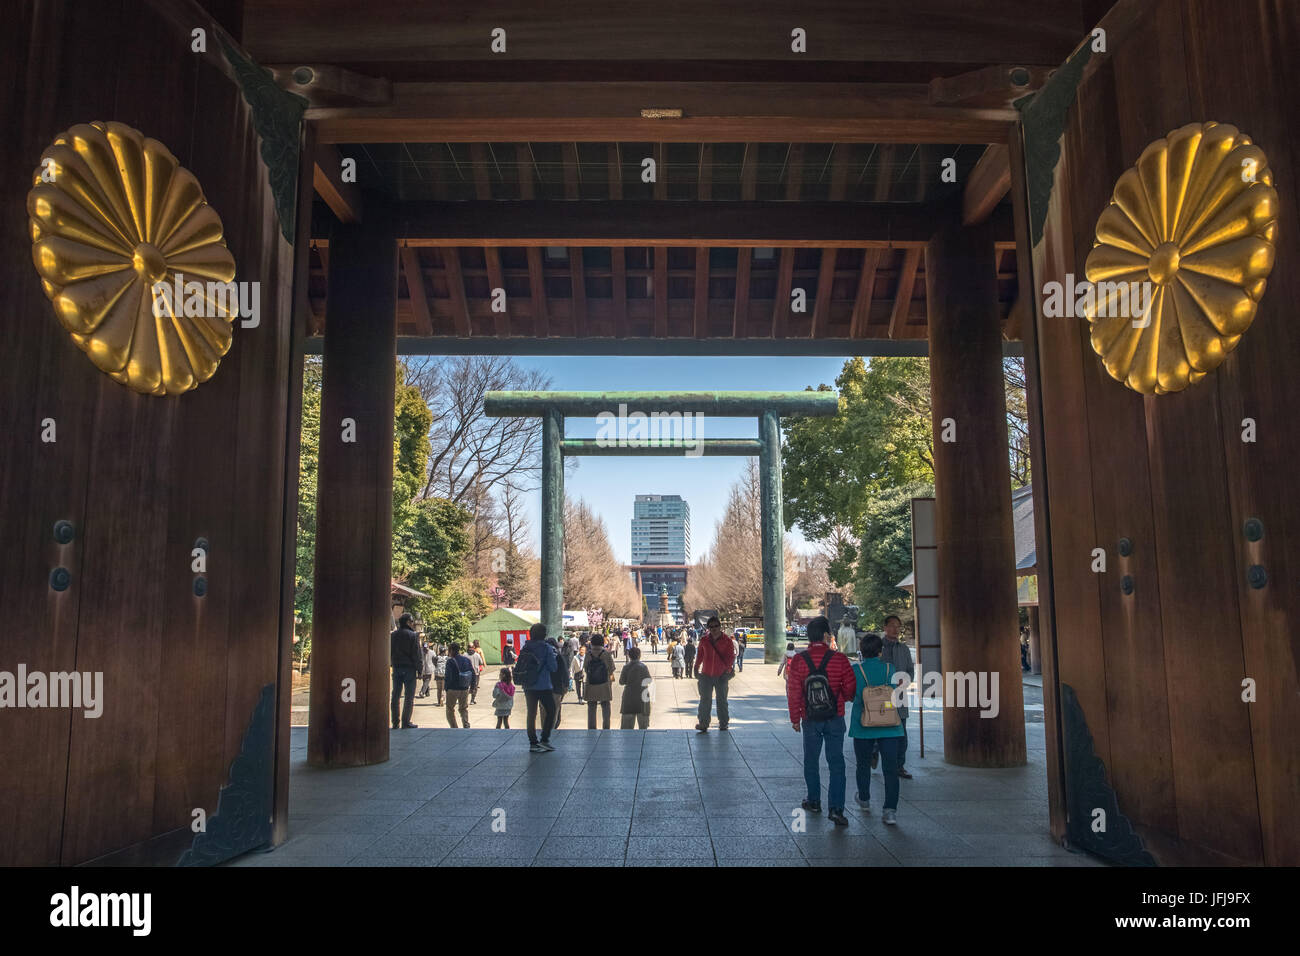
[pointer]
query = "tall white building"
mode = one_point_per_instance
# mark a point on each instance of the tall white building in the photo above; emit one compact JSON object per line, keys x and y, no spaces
{"x":661,"y":530}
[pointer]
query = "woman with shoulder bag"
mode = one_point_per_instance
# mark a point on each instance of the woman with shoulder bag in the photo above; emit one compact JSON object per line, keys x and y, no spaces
{"x":870,"y":723}
{"x":599,"y":668}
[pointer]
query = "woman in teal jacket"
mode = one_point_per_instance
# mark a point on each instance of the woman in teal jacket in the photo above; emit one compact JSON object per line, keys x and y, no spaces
{"x":874,"y":672}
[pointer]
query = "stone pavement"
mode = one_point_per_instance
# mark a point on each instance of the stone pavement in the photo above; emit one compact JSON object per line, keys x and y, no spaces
{"x":661,"y":797}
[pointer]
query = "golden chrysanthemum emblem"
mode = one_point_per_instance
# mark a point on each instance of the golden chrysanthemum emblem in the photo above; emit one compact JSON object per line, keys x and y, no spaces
{"x":1196,"y":218}
{"x":113,"y":216}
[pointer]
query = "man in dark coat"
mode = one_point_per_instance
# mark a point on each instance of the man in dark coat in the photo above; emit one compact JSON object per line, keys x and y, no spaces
{"x":407,"y":661}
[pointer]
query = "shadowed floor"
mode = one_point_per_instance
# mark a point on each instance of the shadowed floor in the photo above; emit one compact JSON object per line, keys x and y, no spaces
{"x":660,"y":797}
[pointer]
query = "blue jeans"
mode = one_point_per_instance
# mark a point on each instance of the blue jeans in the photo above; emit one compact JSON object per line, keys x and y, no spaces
{"x":740,"y":659}
{"x":902,"y":744}
{"x":891,"y":749}
{"x":814,"y":733}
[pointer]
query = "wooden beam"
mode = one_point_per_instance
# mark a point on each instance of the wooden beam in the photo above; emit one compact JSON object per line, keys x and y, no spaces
{"x":713,"y":112}
{"x":865,"y":293}
{"x":989,"y":182}
{"x":825,"y":285}
{"x":745,"y":256}
{"x":793,"y":184}
{"x":740,"y":314}
{"x":885,"y":158}
{"x":456,"y":289}
{"x":578,"y":290}
{"x":661,"y":292}
{"x":781,"y":302}
{"x":413,"y":39}
{"x":524,"y":165}
{"x":839,"y":161}
{"x":344,"y":199}
{"x":661,"y":171}
{"x":701,"y":292}
{"x":633,"y":222}
{"x":478,"y":158}
{"x":537,"y":292}
{"x":617,"y":255}
{"x":419,"y":296}
{"x":903,"y":297}
{"x":569,"y":151}
{"x":496,"y":280}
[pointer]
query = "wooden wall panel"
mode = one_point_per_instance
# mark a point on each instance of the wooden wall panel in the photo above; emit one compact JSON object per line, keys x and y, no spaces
{"x":1258,"y":381}
{"x":140,"y":477}
{"x":1205,"y":777}
{"x":1132,"y":656}
{"x":44,"y":376}
{"x":1068,"y":462}
{"x":1210,"y":733}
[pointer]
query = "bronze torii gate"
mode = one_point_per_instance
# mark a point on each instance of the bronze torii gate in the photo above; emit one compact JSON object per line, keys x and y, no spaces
{"x":553,"y":407}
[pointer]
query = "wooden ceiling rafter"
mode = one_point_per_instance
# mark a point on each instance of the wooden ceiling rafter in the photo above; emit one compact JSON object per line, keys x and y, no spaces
{"x":617,"y":255}
{"x":423,"y":315}
{"x":903,"y":295}
{"x":865,"y":293}
{"x":793,"y":176}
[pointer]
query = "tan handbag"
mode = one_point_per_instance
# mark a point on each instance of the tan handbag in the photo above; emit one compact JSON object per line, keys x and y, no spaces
{"x":878,"y":708}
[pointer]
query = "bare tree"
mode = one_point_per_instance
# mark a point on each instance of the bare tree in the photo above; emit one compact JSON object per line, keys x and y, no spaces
{"x":471,"y":453}
{"x":593,"y":576}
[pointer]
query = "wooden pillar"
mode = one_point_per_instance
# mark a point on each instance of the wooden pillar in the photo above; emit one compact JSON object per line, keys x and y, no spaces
{"x":350,"y":677}
{"x":977,"y":585}
{"x":1035,"y":651}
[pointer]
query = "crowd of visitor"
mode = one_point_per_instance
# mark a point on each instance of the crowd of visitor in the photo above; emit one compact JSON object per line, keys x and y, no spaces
{"x":821,"y":681}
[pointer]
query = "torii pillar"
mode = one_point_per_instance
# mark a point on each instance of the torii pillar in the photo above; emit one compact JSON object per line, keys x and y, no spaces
{"x":978,"y":619}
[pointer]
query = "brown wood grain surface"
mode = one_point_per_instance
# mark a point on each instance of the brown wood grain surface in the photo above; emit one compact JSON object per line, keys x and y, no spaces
{"x":973,"y":526}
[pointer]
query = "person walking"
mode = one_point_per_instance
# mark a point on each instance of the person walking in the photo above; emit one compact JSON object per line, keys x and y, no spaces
{"x":898,"y":656}
{"x":503,"y":698}
{"x":638,"y":692}
{"x":688,"y":655}
{"x":818,"y":684}
{"x":537,"y":662}
{"x":867,"y":739}
{"x":404,"y":654}
{"x":677,"y":657}
{"x":742,"y":643}
{"x":440,"y":673}
{"x":508,"y":654}
{"x":848,"y":638}
{"x":477,"y":659}
{"x":715,"y":662}
{"x":785,"y":661}
{"x":559,"y":680}
{"x":427,"y":672}
{"x":600,"y":682}
{"x":579,"y":656}
{"x":460,"y":670}
{"x":654,"y":642}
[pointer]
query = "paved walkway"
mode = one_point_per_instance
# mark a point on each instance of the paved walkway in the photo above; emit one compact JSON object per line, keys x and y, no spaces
{"x":661,"y":797}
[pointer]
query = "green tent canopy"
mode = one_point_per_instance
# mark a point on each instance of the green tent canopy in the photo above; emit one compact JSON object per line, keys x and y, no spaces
{"x":488,"y":630}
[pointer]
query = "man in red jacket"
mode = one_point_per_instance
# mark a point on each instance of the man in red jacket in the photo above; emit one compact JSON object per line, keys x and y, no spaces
{"x":715,"y":662}
{"x":819,"y":682}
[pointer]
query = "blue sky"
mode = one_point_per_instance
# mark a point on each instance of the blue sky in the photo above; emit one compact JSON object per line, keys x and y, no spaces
{"x":609,"y":484}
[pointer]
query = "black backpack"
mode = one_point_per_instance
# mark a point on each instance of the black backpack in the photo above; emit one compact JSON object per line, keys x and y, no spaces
{"x":527,"y":668}
{"x":597,"y":672}
{"x":818,"y":698}
{"x":560,"y":676}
